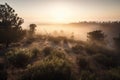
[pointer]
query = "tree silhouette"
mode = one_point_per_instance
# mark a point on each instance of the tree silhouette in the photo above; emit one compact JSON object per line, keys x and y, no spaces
{"x":32,"y":29}
{"x":10,"y":25}
{"x":117,"y":42}
{"x":96,"y":36}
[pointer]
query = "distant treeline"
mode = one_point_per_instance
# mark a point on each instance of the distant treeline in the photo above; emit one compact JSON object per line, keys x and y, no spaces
{"x":109,"y":23}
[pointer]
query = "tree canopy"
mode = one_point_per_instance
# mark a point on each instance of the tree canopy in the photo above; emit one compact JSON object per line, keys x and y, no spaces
{"x":32,"y":29}
{"x":10,"y":25}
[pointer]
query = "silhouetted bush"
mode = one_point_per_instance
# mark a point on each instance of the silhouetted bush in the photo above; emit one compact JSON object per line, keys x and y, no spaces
{"x":50,"y":68}
{"x":19,"y":57}
{"x":96,"y":37}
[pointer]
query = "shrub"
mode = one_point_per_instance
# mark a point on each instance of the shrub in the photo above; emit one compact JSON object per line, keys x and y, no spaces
{"x":77,"y":49}
{"x":82,"y":63}
{"x":47,"y":50}
{"x":96,"y":36}
{"x":35,"y":52}
{"x":50,"y":68}
{"x":58,"y":54}
{"x":19,"y":57}
{"x":95,"y":48}
{"x":104,"y":60}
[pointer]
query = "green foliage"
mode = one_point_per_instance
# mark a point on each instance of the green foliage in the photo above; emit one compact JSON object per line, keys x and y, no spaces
{"x":10,"y":29}
{"x":19,"y":57}
{"x":53,"y":67}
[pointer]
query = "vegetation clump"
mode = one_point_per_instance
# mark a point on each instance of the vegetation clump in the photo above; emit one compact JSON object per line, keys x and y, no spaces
{"x":55,"y":57}
{"x":96,"y":37}
{"x":77,"y":49}
{"x":47,"y":50}
{"x":35,"y":52}
{"x":53,"y":67}
{"x":19,"y":57}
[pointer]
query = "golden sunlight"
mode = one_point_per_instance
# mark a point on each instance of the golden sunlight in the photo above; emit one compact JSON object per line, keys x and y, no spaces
{"x":60,"y":14}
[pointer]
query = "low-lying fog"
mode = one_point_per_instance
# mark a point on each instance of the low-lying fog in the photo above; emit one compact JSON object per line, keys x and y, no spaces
{"x":79,"y":31}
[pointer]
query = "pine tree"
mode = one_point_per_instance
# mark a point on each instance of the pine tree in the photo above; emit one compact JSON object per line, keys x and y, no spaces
{"x":10,"y":25}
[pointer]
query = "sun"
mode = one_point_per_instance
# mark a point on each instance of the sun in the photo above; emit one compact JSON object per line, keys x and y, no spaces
{"x":60,"y":14}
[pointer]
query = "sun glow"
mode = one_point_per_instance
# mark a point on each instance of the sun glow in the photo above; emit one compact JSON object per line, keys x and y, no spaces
{"x":60,"y":14}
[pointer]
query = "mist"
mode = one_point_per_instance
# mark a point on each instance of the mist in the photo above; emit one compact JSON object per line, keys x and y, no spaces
{"x":79,"y":31}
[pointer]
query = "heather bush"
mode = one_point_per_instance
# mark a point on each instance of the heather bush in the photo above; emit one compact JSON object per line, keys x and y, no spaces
{"x":35,"y":52}
{"x":82,"y":63}
{"x":47,"y":50}
{"x":19,"y":57}
{"x":52,"y":67}
{"x":77,"y":49}
{"x":106,"y":61}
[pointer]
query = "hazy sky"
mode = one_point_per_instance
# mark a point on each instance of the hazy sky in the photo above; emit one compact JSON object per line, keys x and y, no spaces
{"x":65,"y":11}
